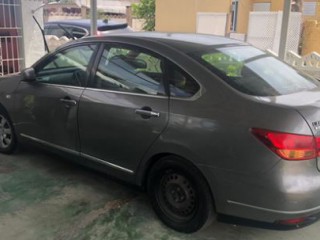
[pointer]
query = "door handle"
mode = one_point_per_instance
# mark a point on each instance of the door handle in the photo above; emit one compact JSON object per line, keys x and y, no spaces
{"x":68,"y":101}
{"x":146,"y":113}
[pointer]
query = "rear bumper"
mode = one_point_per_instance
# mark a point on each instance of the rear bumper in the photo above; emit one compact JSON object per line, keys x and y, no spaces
{"x":287,"y":191}
{"x":268,"y":215}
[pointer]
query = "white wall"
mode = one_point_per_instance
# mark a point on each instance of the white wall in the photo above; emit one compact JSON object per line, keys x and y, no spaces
{"x":32,"y":38}
{"x":212,"y":23}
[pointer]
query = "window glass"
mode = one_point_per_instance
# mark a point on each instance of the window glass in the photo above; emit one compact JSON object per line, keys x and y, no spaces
{"x":253,"y":72}
{"x":78,"y":32}
{"x":181,"y":84}
{"x":58,"y":31}
{"x":129,"y":70}
{"x":68,"y":67}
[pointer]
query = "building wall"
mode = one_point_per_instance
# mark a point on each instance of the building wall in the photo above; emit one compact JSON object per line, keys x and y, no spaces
{"x":277,"y":5}
{"x":10,"y":37}
{"x":317,"y":15}
{"x":175,"y":16}
{"x":181,"y":15}
{"x":244,"y":8}
{"x":33,"y":41}
{"x":311,"y":36}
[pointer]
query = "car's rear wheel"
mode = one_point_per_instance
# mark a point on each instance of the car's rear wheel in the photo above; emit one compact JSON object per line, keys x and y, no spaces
{"x":8,"y":140}
{"x":180,"y":195}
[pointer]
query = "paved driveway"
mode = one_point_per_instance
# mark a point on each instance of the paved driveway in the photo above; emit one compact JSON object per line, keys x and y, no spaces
{"x":43,"y":196}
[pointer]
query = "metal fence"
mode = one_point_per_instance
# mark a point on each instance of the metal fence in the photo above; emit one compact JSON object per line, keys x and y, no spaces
{"x":264,"y":30}
{"x":11,"y":58}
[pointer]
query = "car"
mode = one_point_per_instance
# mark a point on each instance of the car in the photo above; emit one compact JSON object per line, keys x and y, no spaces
{"x":206,"y":124}
{"x":78,"y":28}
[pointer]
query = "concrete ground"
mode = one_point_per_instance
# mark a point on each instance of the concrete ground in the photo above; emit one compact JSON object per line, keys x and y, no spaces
{"x":45,"y":197}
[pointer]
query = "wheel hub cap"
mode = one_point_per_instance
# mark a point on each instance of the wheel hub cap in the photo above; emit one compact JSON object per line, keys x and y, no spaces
{"x":179,"y":194}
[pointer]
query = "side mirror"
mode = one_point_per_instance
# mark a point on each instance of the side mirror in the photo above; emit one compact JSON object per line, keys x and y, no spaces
{"x":28,"y":75}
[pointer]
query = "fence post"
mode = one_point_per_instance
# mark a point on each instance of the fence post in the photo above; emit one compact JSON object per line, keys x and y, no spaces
{"x":284,"y":28}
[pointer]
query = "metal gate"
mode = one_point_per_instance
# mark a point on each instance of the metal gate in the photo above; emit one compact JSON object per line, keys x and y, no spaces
{"x":11,"y":57}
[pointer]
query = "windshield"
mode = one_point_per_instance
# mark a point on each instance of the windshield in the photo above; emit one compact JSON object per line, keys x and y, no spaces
{"x":254,"y":72}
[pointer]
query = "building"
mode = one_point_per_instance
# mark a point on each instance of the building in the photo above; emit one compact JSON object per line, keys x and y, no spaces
{"x":256,"y":21}
{"x":181,"y":15}
{"x":20,"y":37}
{"x":10,"y":37}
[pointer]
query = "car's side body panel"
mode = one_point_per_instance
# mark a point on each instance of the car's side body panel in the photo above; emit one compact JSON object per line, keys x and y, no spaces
{"x":111,"y":130}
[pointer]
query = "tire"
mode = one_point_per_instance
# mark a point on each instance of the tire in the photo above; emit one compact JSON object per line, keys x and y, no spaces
{"x":180,"y":195}
{"x":8,"y":141}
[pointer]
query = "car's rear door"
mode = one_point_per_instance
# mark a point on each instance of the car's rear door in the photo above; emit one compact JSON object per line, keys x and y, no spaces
{"x":124,"y":109}
{"x":47,"y":108}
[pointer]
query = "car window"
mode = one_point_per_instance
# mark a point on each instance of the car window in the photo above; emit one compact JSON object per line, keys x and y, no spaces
{"x":254,"y":72}
{"x":78,"y":32}
{"x":129,"y":70}
{"x":57,"y":31}
{"x":181,"y":84}
{"x":68,"y":67}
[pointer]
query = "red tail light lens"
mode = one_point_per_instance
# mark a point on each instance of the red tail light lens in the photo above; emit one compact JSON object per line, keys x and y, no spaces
{"x":318,"y":145}
{"x":289,"y":146}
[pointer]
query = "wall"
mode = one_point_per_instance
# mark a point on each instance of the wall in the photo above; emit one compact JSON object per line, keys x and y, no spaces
{"x":277,"y":5}
{"x":32,"y":38}
{"x":244,"y":8}
{"x":181,"y":15}
{"x":10,"y":38}
{"x":311,"y":36}
{"x":317,"y":14}
{"x":175,"y":16}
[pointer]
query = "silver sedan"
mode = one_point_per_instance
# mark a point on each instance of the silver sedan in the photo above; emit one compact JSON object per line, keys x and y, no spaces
{"x":205,"y":124}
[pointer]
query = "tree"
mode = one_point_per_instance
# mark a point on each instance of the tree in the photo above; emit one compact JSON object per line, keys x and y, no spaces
{"x":145,"y":10}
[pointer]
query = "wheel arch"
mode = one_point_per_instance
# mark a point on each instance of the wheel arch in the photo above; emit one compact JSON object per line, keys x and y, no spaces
{"x":144,"y":171}
{"x":2,"y":108}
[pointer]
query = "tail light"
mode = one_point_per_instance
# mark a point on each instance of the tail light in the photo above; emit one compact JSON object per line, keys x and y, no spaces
{"x":289,"y":146}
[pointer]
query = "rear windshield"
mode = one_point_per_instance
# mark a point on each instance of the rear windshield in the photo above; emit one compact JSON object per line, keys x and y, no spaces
{"x":254,"y":72}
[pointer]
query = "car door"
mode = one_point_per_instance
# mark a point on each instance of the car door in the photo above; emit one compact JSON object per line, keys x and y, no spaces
{"x":48,"y":107}
{"x":125,"y":107}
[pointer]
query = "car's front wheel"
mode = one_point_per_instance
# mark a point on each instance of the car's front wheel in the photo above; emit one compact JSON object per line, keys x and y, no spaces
{"x":8,"y":140}
{"x":180,"y":195}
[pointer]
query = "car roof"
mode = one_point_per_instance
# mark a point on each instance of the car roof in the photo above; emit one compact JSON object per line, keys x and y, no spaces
{"x":102,"y":25}
{"x":185,"y":42}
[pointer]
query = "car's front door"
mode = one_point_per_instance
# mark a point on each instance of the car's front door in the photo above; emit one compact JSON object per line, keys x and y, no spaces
{"x":124,"y":109}
{"x":47,"y":108}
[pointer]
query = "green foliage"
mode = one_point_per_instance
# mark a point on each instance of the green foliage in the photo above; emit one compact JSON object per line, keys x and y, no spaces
{"x":145,"y":10}
{"x":225,"y":63}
